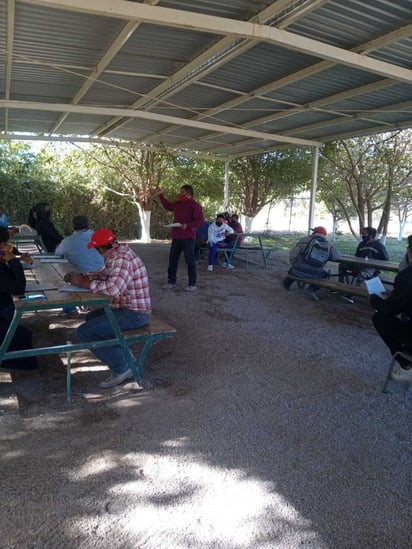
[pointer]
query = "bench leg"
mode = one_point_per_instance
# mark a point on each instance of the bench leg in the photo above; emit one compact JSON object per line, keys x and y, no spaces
{"x":141,"y":361}
{"x":68,"y":375}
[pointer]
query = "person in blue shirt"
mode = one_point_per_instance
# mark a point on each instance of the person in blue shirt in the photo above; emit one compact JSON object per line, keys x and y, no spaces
{"x":74,"y":247}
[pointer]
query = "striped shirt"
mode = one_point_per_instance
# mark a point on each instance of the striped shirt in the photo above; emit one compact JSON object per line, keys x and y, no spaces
{"x":123,"y":278}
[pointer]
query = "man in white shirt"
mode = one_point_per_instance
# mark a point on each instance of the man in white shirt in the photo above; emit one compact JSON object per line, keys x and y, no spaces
{"x":217,"y":232}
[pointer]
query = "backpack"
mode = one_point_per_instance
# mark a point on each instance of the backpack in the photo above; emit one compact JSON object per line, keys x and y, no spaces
{"x":317,"y":252}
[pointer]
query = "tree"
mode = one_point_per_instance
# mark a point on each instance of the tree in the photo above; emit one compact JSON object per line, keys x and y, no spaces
{"x":262,"y":179}
{"x":363,"y":177}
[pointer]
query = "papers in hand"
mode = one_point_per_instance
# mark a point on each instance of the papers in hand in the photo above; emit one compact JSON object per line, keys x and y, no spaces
{"x":174,"y":225}
{"x":73,"y":288}
{"x":375,"y":286}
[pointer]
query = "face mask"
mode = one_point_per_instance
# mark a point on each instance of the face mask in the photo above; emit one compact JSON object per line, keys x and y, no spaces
{"x":219,"y":223}
{"x":365,"y":238}
{"x":183,"y":198}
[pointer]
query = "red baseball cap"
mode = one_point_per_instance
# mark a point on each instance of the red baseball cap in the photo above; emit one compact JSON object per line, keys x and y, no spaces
{"x":320,"y":230}
{"x":101,"y":237}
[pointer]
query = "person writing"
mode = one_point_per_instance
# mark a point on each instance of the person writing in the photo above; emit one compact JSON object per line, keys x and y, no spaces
{"x":395,"y":330}
{"x":187,"y":217}
{"x":13,"y":282}
{"x":124,"y":279}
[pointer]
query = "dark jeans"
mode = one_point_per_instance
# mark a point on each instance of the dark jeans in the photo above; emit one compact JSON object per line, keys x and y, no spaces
{"x":22,"y":339}
{"x":396,"y":333}
{"x":187,"y":246}
{"x":287,"y":282}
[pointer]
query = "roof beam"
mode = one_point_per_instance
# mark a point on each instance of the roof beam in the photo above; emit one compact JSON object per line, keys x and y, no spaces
{"x":223,"y":26}
{"x":9,"y":56}
{"x":299,"y":75}
{"x":106,"y":111}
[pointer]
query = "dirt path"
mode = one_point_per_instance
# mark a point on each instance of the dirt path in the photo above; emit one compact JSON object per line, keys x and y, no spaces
{"x":262,"y":425}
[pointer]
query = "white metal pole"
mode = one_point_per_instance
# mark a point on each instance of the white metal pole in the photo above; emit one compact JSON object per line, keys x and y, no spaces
{"x":315,"y":162}
{"x":226,"y":188}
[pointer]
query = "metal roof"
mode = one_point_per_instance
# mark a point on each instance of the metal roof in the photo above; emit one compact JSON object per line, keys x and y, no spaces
{"x":222,"y":77}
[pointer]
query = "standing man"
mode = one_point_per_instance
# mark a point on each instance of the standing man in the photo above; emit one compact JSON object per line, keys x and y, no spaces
{"x":124,"y":279}
{"x":188,"y":216}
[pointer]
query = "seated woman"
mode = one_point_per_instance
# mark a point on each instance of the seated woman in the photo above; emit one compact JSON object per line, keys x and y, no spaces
{"x":12,"y":282}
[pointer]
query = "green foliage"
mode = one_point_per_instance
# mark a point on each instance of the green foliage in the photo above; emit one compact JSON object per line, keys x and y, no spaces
{"x":261,"y":179}
{"x":360,"y":178}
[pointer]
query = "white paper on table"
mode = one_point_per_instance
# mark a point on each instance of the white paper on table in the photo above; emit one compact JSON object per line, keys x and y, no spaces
{"x":55,"y":259}
{"x":174,"y":225}
{"x":73,"y":288}
{"x":375,"y":286}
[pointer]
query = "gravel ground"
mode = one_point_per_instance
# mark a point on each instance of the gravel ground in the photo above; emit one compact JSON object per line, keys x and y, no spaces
{"x":261,"y":425}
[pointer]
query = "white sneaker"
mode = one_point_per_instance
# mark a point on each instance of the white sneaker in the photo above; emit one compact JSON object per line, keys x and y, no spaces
{"x":400,"y":374}
{"x":190,"y":288}
{"x":113,"y":380}
{"x":229,"y":266}
{"x":210,"y":267}
{"x":169,"y":286}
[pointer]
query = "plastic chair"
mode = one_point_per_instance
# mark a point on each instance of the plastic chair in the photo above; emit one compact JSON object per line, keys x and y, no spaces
{"x":405,"y":354}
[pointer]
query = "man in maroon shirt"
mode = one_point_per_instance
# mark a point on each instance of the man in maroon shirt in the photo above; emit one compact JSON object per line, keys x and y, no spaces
{"x":188,"y":216}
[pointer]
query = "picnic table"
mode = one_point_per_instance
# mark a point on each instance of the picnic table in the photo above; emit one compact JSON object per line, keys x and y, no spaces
{"x":378,"y":264}
{"x":48,"y":299}
{"x":246,"y":244}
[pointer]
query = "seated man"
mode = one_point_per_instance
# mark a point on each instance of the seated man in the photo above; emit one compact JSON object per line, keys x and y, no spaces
{"x":369,"y":247}
{"x":124,"y":279}
{"x":217,"y":238}
{"x":74,"y":247}
{"x":13,"y":282}
{"x":237,"y":227}
{"x":397,"y":332}
{"x":308,"y":258}
{"x":405,"y":262}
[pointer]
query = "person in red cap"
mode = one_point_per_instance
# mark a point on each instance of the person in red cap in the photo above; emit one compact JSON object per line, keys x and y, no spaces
{"x":308,"y":258}
{"x":188,"y":216}
{"x":124,"y":279}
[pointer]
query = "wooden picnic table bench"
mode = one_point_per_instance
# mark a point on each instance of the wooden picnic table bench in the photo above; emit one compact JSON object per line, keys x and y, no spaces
{"x":54,"y":299}
{"x":247,"y":243}
{"x":339,"y":287}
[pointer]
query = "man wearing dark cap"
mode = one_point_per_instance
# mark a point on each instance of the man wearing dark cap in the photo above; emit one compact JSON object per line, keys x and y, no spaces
{"x":74,"y":247}
{"x":308,"y":258}
{"x":124,"y":279}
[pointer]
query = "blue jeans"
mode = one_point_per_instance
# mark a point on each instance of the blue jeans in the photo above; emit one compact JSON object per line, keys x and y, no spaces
{"x":213,"y":248}
{"x":97,"y":327}
{"x":187,"y":246}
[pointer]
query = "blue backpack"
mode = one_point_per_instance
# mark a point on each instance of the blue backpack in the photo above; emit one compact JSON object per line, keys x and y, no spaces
{"x":317,"y":252}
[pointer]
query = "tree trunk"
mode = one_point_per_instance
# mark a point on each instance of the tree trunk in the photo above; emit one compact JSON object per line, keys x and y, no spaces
{"x":248,"y":224}
{"x":144,"y":216}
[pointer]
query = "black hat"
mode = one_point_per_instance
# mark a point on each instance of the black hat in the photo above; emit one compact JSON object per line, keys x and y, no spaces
{"x":80,"y":222}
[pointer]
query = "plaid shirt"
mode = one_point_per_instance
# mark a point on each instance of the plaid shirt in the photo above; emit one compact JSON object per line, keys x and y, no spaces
{"x":123,"y":278}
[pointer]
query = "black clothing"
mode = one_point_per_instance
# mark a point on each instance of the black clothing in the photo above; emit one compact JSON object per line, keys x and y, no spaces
{"x":45,"y":228}
{"x":396,"y":332}
{"x":13,"y":282}
{"x":374,"y":250}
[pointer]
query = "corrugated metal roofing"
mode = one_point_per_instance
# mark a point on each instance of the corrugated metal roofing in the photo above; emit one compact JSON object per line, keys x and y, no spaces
{"x":221,"y":76}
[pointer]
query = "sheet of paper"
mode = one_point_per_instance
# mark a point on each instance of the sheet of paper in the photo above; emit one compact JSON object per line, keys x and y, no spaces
{"x":72,"y":288}
{"x":54,"y":259}
{"x":174,"y":225}
{"x":375,"y":286}
{"x":39,"y":287}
